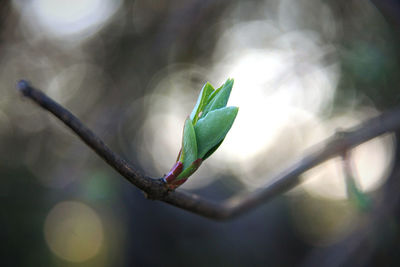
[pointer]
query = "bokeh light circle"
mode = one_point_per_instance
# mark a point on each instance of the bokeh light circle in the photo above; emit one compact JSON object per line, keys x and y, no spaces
{"x":73,"y":231}
{"x":67,"y":19}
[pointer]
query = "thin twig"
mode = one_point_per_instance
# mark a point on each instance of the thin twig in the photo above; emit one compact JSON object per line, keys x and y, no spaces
{"x":236,"y":205}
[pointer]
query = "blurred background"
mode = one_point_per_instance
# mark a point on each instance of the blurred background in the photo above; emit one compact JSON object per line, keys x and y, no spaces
{"x":132,"y":70}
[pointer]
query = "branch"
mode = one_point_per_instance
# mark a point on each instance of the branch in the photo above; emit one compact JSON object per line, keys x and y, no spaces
{"x":236,"y":205}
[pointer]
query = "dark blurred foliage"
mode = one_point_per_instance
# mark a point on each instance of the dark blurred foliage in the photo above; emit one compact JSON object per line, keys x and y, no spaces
{"x":369,"y":54}
{"x":43,"y":164}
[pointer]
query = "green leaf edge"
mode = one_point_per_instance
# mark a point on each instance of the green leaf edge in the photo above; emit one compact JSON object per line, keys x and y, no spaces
{"x":202,"y":101}
{"x":219,"y":98}
{"x":189,"y":145}
{"x":213,"y":119}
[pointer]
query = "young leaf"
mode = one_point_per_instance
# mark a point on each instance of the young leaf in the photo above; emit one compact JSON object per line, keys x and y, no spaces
{"x":219,"y":89}
{"x":213,"y":128}
{"x":219,"y":98}
{"x":202,"y":101}
{"x":189,"y":145}
{"x":204,"y":131}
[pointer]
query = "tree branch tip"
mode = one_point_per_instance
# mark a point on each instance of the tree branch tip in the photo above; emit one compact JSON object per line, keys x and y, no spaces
{"x":24,"y":87}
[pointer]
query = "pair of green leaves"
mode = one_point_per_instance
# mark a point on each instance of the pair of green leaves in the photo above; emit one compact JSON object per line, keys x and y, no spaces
{"x":204,"y":130}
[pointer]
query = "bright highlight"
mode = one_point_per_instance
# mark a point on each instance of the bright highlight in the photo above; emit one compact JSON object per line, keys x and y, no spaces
{"x":73,"y":231}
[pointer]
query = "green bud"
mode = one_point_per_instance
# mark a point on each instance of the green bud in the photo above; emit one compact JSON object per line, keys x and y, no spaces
{"x":204,"y":130}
